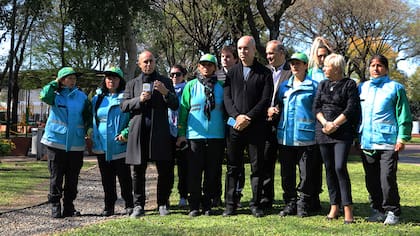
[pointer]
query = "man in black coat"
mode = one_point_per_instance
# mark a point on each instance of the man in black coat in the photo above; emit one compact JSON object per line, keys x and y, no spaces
{"x":247,"y":93}
{"x":148,"y":98}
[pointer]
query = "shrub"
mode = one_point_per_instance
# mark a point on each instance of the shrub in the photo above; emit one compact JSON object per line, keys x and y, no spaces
{"x":6,"y":146}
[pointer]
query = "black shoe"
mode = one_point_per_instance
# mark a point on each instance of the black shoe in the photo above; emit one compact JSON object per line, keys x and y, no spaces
{"x":71,"y":213}
{"x":108,"y":212}
{"x":289,"y":209}
{"x":229,"y":212}
{"x":194,"y":213}
{"x":302,"y":212}
{"x":208,"y":212}
{"x":56,"y":210}
{"x":257,"y":212}
{"x":266,"y":204}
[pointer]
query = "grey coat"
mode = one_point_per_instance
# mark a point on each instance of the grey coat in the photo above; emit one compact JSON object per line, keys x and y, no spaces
{"x":160,"y":139}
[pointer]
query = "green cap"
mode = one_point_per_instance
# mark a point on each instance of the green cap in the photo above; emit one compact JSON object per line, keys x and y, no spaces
{"x":299,"y":56}
{"x":113,"y":70}
{"x":209,"y":58}
{"x":65,"y":71}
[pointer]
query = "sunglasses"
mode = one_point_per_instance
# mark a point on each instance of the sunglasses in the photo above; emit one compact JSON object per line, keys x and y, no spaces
{"x":176,"y":74}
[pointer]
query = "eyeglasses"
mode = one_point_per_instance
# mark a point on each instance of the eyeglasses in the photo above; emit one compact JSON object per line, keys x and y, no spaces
{"x":175,"y":74}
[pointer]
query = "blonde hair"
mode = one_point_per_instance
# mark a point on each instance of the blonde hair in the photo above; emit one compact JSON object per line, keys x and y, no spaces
{"x":319,"y":42}
{"x":337,"y":61}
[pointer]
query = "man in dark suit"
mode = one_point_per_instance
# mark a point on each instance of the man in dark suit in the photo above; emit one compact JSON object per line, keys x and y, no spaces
{"x":276,"y":57}
{"x":247,"y":93}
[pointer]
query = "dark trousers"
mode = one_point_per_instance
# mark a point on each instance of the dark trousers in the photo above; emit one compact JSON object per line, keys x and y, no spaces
{"x":290,"y":157}
{"x":270,"y":158}
{"x":181,"y":160}
{"x":64,"y":166}
{"x":335,"y":157}
{"x":205,"y":159}
{"x":110,"y":170}
{"x":317,"y":172}
{"x":381,"y":180}
{"x":165,"y":170}
{"x":237,"y":142}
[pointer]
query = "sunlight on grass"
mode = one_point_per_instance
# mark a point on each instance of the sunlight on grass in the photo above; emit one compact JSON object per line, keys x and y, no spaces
{"x":178,"y":223}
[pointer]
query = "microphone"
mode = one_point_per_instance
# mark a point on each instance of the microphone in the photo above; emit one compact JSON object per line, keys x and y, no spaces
{"x":147,"y":87}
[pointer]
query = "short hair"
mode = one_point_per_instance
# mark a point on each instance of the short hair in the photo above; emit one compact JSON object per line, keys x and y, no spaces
{"x":279,"y":46}
{"x":181,"y":68}
{"x":231,"y":49}
{"x":381,"y":58}
{"x":337,"y":61}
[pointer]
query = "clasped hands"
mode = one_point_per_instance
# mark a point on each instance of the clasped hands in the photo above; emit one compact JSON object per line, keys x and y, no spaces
{"x":329,"y":127}
{"x":241,"y":122}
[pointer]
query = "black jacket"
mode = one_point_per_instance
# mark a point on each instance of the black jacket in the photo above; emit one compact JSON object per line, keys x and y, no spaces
{"x":250,"y":97}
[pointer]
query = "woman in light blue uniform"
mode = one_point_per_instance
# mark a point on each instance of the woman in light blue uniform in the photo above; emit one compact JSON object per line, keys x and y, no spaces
{"x":201,"y":122}
{"x":386,"y":126}
{"x":108,"y":142}
{"x":70,"y":116}
{"x":296,"y":136}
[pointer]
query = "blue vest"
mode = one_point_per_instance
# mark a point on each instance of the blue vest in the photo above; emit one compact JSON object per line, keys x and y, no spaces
{"x":297,"y":121}
{"x":199,"y":127}
{"x":111,"y":122}
{"x":65,"y":126}
{"x":378,"y":98}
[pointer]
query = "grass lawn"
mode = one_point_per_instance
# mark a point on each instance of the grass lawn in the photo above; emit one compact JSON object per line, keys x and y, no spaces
{"x":415,"y":140}
{"x":17,"y":178}
{"x":178,"y":223}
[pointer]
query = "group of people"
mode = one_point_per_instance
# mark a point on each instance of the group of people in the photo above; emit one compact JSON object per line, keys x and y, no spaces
{"x":299,"y":110}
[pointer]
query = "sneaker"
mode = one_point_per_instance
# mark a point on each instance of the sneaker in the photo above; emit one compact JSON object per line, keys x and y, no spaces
{"x":107,"y":212}
{"x":208,"y":213}
{"x":56,"y":210}
{"x":71,"y":213}
{"x":391,"y":219}
{"x":376,"y":216}
{"x":182,"y":202}
{"x":257,"y":212}
{"x":137,"y":212}
{"x":163,"y":211}
{"x":289,"y":209}
{"x":194,"y":213}
{"x":302,"y":212}
{"x":128,"y":211}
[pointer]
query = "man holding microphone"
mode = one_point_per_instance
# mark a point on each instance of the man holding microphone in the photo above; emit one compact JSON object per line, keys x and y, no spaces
{"x":147,"y":98}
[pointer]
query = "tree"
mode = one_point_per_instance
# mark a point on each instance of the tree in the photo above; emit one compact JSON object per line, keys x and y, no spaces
{"x":369,"y":25}
{"x":23,"y":16}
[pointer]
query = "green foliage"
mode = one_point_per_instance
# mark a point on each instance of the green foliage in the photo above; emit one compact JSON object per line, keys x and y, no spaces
{"x":6,"y":146}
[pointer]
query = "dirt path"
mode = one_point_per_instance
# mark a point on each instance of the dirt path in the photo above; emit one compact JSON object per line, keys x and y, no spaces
{"x":32,"y":215}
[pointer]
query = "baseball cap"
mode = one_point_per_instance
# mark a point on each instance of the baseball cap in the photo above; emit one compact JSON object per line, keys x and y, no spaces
{"x":66,"y":71}
{"x":113,"y":70}
{"x":299,"y":56}
{"x":209,"y":58}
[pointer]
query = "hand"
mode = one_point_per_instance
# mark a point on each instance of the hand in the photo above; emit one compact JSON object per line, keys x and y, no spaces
{"x":329,"y":128}
{"x":399,"y":147}
{"x":242,"y":121}
{"x":271,"y":112}
{"x":159,"y":86}
{"x":180,"y":140}
{"x":120,"y":138}
{"x":144,"y":96}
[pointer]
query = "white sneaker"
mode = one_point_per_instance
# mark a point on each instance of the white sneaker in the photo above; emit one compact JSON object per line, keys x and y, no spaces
{"x":182,"y":202}
{"x":391,"y":219}
{"x":376,"y":216}
{"x":163,"y":211}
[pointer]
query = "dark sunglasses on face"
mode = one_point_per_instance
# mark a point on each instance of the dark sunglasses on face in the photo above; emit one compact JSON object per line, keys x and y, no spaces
{"x":176,"y":74}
